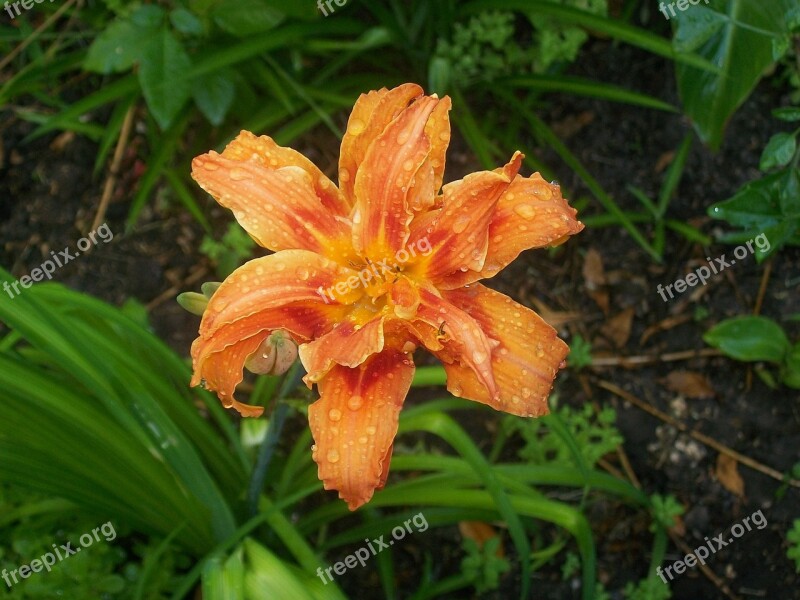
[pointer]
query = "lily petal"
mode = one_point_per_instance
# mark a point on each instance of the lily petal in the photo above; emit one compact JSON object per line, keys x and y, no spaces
{"x":280,"y":291}
{"x":355,"y":421}
{"x":461,"y":338}
{"x":348,"y":344}
{"x":524,"y":364}
{"x":265,"y":152}
{"x":531,"y":213}
{"x":279,"y":208}
{"x":371,"y":114}
{"x":428,"y":179}
{"x":381,"y":215}
{"x":458,"y":232}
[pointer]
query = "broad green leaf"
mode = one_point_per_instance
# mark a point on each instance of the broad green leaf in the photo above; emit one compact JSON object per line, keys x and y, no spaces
{"x":150,"y":16}
{"x":696,"y":31}
{"x":737,"y":38}
{"x":787,"y":113}
{"x":779,"y":151}
{"x":163,"y":77}
{"x":755,"y":206}
{"x":244,"y":18}
{"x":117,"y":48}
{"x":120,"y":45}
{"x":214,"y":96}
{"x":186,"y":22}
{"x":791,"y":375}
{"x":749,"y":339}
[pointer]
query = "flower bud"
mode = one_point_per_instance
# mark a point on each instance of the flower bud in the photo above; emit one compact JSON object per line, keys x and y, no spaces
{"x":209,"y":287}
{"x":193,"y":302}
{"x":274,"y":356}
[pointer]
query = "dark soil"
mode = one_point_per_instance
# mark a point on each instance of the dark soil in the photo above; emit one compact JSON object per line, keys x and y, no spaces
{"x":48,"y":198}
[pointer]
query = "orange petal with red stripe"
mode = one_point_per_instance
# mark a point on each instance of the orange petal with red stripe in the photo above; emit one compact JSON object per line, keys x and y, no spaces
{"x":355,"y":421}
{"x":428,"y":179}
{"x":458,"y":232}
{"x":265,"y":152}
{"x":279,"y":208}
{"x":531,"y":213}
{"x":461,"y":336}
{"x":279,"y":291}
{"x":524,"y":363}
{"x":382,"y":215}
{"x":348,"y":344}
{"x":371,"y":114}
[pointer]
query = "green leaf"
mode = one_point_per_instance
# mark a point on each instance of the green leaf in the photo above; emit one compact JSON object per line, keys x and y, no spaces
{"x":439,"y":72}
{"x":737,"y":36}
{"x":162,"y":76}
{"x":755,"y":206}
{"x":787,"y":113}
{"x":117,"y":48}
{"x":779,"y":151}
{"x":749,"y":339}
{"x":214,"y":95}
{"x":693,"y":33}
{"x":186,"y":22}
{"x":791,"y":376}
{"x":148,"y":16}
{"x":244,"y":18}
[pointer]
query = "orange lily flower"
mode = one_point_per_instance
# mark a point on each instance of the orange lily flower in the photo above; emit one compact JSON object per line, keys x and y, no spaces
{"x":363,"y":273}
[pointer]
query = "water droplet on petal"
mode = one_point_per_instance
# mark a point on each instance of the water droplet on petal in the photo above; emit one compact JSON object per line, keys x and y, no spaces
{"x":408,"y":165}
{"x":363,"y":439}
{"x":461,"y":223}
{"x":403,"y":137}
{"x":479,"y":356}
{"x":302,"y":273}
{"x":344,"y":175}
{"x":237,"y":174}
{"x":334,"y":414}
{"x":356,"y":127}
{"x":355,"y":402}
{"x":526,"y":211}
{"x":333,"y":456}
{"x":371,"y":430}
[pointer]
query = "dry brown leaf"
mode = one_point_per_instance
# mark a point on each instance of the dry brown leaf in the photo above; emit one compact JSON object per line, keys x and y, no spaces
{"x":689,"y":384}
{"x":572,"y":124}
{"x":727,"y":473}
{"x":62,"y":141}
{"x":663,"y":325}
{"x":594,"y":276}
{"x":480,"y":532}
{"x":664,"y":161}
{"x":555,"y":318}
{"x":618,"y":328}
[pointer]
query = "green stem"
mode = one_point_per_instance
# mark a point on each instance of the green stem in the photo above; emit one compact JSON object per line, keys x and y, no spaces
{"x":267,"y":449}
